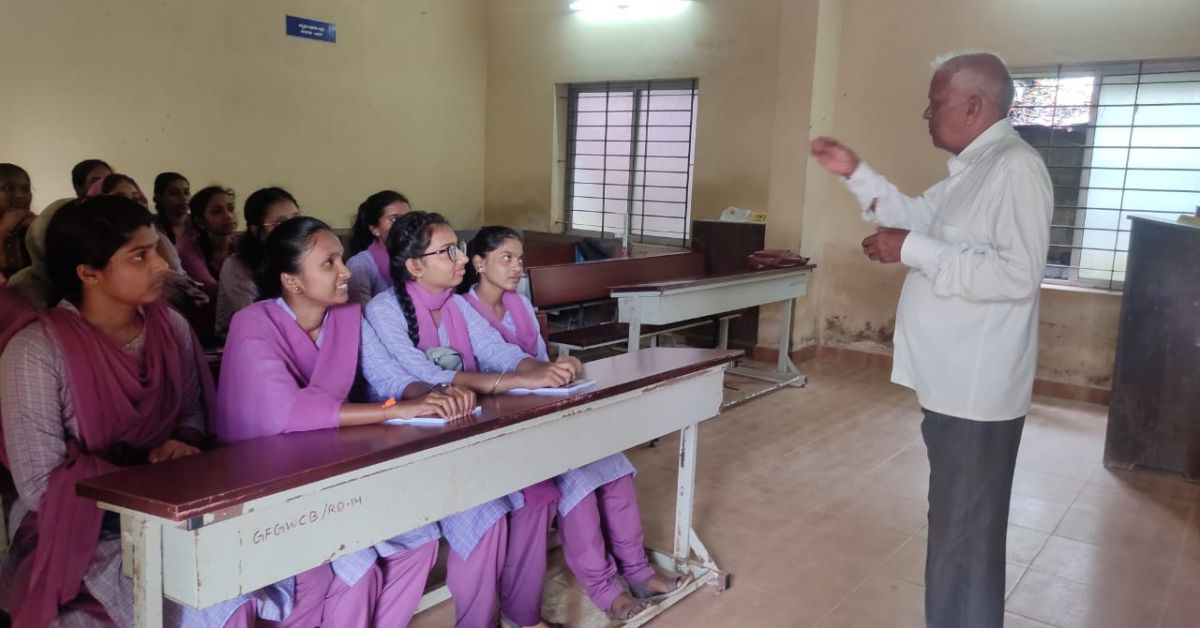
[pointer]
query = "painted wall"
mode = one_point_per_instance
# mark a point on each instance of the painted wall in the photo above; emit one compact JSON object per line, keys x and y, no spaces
{"x":534,"y":45}
{"x":882,"y":75}
{"x":216,"y":91}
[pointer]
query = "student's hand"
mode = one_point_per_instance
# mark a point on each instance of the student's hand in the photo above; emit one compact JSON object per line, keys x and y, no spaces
{"x":572,"y":363}
{"x":170,"y":450}
{"x":449,"y":402}
{"x":547,"y":376}
{"x":885,"y":245}
{"x":834,"y":156}
{"x":14,"y":219}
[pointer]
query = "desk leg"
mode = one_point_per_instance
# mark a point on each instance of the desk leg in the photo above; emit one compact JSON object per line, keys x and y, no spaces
{"x":785,"y":338}
{"x":686,"y":486}
{"x":635,"y":329}
{"x":723,"y":333}
{"x":142,"y":540}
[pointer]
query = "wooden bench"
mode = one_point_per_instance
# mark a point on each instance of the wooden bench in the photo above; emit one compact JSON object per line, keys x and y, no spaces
{"x":206,"y":528}
{"x":561,"y":286}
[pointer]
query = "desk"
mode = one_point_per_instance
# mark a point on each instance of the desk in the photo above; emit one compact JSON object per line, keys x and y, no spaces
{"x":669,"y":302}
{"x":207,"y":528}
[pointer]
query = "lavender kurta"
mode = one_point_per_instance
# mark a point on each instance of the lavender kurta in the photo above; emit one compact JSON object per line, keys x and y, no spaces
{"x":269,"y":383}
{"x":390,"y":363}
{"x":365,"y":279}
{"x":39,"y":421}
{"x":575,"y":484}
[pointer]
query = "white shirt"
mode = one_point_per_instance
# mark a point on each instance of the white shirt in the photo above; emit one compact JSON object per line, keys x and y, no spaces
{"x":967,"y":322}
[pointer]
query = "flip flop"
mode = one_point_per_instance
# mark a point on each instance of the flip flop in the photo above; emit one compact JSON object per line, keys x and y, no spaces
{"x":642,"y":591}
{"x":635,"y":609}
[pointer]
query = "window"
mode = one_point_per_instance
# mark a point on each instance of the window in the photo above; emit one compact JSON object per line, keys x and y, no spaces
{"x":630,"y":152}
{"x":1119,"y":140}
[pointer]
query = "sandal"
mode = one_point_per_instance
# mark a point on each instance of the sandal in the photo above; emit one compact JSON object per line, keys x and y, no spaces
{"x":642,"y":589}
{"x":633,"y":609}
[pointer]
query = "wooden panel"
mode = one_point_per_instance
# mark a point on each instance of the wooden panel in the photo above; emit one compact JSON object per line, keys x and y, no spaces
{"x":725,"y":246}
{"x":232,"y":475}
{"x":565,"y":284}
{"x":549,"y":253}
{"x":1154,"y":417}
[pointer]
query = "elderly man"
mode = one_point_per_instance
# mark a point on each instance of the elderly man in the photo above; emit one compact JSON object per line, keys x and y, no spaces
{"x":966,"y":326}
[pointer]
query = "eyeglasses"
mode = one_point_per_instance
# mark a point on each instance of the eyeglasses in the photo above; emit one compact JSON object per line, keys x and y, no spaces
{"x":453,"y":251}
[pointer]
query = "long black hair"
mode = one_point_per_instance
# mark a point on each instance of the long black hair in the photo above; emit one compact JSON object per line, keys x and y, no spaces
{"x":369,"y":213}
{"x":283,"y":252}
{"x":196,"y":207}
{"x":486,"y":240}
{"x":408,"y":239}
{"x":89,"y":231}
{"x":250,"y":249}
{"x":160,"y":185}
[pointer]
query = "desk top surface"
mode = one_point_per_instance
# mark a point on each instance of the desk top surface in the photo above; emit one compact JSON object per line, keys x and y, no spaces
{"x":710,"y":280}
{"x":234,"y":474}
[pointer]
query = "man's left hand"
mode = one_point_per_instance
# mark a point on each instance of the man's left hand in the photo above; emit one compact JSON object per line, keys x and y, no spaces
{"x":884,"y":245}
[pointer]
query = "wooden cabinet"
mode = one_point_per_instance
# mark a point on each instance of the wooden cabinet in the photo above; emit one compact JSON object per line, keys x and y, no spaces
{"x":725,"y":246}
{"x":1154,"y":416}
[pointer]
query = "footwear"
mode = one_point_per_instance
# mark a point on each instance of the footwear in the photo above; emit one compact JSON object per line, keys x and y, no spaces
{"x":632,"y":610}
{"x":642,"y":589}
{"x":508,"y":623}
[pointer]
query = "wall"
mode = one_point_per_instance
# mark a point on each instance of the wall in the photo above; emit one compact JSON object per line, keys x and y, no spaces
{"x":882,"y":77}
{"x":730,"y":45}
{"x":216,"y":91}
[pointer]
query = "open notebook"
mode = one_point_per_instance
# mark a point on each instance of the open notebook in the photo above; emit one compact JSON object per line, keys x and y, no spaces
{"x":426,"y":420}
{"x":561,"y":391}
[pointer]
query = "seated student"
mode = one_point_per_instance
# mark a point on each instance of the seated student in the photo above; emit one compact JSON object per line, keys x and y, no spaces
{"x":32,"y":283}
{"x":290,"y":362}
{"x":86,"y":173}
{"x":598,"y":511}
{"x":205,"y":247}
{"x":368,"y":263}
{"x":15,"y":217}
{"x":110,"y":377}
{"x":172,"y":192}
{"x":420,"y":329}
{"x":265,"y":209}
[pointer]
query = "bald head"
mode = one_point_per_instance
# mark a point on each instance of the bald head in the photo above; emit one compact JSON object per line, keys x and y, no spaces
{"x":980,"y":74}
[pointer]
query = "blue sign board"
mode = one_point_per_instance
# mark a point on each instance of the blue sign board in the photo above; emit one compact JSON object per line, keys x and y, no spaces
{"x":311,"y":29}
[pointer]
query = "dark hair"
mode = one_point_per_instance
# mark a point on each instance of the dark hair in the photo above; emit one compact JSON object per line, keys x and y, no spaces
{"x":113,"y":180}
{"x":486,"y":240}
{"x":250,"y":250}
{"x":89,"y":231}
{"x":164,"y":179}
{"x":369,"y":213}
{"x":8,"y":170}
{"x":408,"y":239}
{"x":82,"y":169}
{"x":196,"y":207}
{"x":282,"y":252}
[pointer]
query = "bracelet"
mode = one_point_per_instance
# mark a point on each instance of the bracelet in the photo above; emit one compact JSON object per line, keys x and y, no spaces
{"x":496,"y":385}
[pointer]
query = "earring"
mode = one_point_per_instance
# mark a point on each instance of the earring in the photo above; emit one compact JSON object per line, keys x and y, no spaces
{"x":296,"y":289}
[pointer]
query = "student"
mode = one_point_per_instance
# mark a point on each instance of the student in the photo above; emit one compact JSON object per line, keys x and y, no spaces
{"x":86,"y":173}
{"x":15,"y":217}
{"x":368,"y":263}
{"x":32,"y":283}
{"x":265,"y":209}
{"x":420,"y":329}
{"x":172,"y":192}
{"x":204,"y":248}
{"x":289,"y":365}
{"x":598,"y":511}
{"x":110,"y":377}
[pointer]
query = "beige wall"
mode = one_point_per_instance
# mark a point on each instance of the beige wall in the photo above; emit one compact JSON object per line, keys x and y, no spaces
{"x":883,"y":71}
{"x":215,"y":90}
{"x":730,"y":45}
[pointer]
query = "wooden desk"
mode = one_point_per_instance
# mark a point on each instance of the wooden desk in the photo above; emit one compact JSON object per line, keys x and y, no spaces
{"x":668,"y":302}
{"x":207,"y":528}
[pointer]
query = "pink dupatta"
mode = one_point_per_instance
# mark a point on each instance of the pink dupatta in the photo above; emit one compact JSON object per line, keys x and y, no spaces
{"x":426,"y":302}
{"x":526,"y":334}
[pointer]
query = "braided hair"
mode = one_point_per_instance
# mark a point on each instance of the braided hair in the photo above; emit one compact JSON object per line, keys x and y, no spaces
{"x":408,"y":239}
{"x":369,"y":213}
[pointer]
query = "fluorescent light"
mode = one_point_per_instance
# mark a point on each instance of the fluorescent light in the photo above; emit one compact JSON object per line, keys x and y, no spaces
{"x":611,"y":10}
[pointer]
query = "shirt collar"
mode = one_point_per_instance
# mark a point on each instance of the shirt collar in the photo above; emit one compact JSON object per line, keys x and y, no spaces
{"x":998,"y":131}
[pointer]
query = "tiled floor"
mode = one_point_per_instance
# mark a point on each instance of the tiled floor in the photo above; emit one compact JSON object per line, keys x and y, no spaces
{"x":815,"y":500}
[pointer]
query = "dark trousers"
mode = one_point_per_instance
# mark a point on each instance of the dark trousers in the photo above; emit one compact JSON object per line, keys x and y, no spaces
{"x":971,"y":467}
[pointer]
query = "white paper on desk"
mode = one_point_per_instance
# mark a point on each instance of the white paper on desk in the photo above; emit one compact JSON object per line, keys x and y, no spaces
{"x":426,"y":420}
{"x":561,"y":391}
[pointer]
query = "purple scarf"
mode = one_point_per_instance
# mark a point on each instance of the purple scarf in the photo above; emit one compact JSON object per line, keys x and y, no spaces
{"x":426,"y":302}
{"x":274,"y":378}
{"x":379,"y":255}
{"x":526,"y":334}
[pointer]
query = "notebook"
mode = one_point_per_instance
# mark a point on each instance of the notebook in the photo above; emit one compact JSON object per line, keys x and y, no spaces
{"x":561,"y":391}
{"x":427,"y":420}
